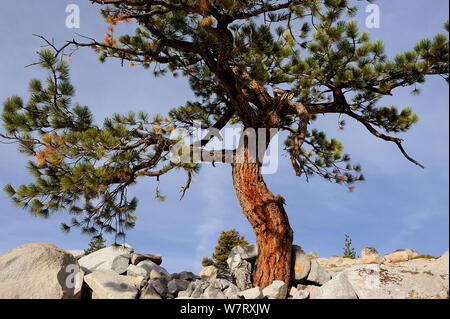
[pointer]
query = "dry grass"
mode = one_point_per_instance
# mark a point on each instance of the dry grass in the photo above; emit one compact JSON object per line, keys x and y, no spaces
{"x":425,"y":257}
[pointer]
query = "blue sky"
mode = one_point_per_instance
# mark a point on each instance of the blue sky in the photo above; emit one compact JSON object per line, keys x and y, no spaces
{"x":398,"y":206}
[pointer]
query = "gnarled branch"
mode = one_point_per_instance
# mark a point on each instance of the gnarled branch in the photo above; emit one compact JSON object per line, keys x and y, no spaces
{"x":397,"y":141}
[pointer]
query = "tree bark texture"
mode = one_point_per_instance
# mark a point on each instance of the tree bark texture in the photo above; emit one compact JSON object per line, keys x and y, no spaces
{"x":269,"y":220}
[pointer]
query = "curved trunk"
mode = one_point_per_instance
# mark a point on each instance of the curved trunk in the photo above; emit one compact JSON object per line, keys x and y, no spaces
{"x":266,"y":214}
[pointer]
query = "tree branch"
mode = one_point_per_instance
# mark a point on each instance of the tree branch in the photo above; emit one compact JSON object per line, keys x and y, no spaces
{"x":218,"y":125}
{"x":188,"y":183}
{"x":262,"y":9}
{"x":395,"y":140}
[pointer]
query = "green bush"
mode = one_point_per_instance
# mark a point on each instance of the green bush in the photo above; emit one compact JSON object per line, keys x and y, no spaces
{"x":425,"y":257}
{"x":227,"y":240}
{"x":96,"y":243}
{"x":349,"y":251}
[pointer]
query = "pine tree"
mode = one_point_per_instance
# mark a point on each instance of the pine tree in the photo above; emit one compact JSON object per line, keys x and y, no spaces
{"x":95,"y":244}
{"x":226,"y":242}
{"x":237,"y":55}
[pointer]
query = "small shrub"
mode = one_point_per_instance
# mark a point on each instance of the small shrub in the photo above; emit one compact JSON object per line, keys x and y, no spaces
{"x":96,"y":243}
{"x":412,"y":294}
{"x":227,"y":240}
{"x":207,"y":262}
{"x":349,"y":251}
{"x":425,"y":257}
{"x":415,"y":295}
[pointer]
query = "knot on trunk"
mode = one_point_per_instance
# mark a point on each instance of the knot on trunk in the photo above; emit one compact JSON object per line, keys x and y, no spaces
{"x":280,"y":199}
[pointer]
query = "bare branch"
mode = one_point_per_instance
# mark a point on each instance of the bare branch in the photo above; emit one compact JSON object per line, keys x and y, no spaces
{"x":397,"y":141}
{"x":57,"y":51}
{"x":299,"y":136}
{"x":94,"y":43}
{"x":155,"y":173}
{"x":188,"y":183}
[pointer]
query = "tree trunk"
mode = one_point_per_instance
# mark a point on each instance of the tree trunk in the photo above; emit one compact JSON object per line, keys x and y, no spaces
{"x":268,"y":218}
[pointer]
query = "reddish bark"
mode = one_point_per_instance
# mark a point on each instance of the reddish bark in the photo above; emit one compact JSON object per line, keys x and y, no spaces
{"x":269,"y":220}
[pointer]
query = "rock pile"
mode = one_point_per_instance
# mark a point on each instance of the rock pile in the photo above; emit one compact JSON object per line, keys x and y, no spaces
{"x":118,"y":272}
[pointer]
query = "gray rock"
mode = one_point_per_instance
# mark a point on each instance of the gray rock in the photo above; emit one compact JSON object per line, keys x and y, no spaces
{"x":298,"y":294}
{"x":231,"y":292}
{"x":149,"y":293}
{"x":276,"y":290}
{"x":370,"y":255}
{"x":39,"y":271}
{"x":223,"y":274}
{"x":149,"y":265}
{"x":334,"y":265}
{"x":199,"y":288}
{"x":138,"y":281}
{"x":313,"y":255}
{"x":396,"y":281}
{"x":187,"y":275}
{"x":252,"y":293}
{"x":208,"y":271}
{"x":215,"y":273}
{"x":301,"y":287}
{"x":236,"y":261}
{"x":337,"y":288}
{"x":247,"y":252}
{"x":398,"y":256}
{"x":215,"y":283}
{"x":301,"y":264}
{"x":133,"y":270}
{"x":173,"y":276}
{"x":155,"y":275}
{"x":185,"y":294}
{"x":109,"y":258}
{"x":176,"y":285}
{"x":412,"y":253}
{"x":77,"y":253}
{"x":107,"y":284}
{"x":160,"y":286}
{"x":312,"y":291}
{"x":212,"y":292}
{"x":318,"y":274}
{"x":301,"y":294}
{"x":293,"y":291}
{"x":242,"y":278}
{"x":223,"y":283}
{"x":440,"y":265}
{"x":127,"y":246}
{"x":136,"y":258}
{"x":143,"y":284}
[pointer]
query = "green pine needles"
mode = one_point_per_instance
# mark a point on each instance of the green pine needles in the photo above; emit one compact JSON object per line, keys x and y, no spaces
{"x":226,"y":242}
{"x":78,"y":166}
{"x":96,"y":243}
